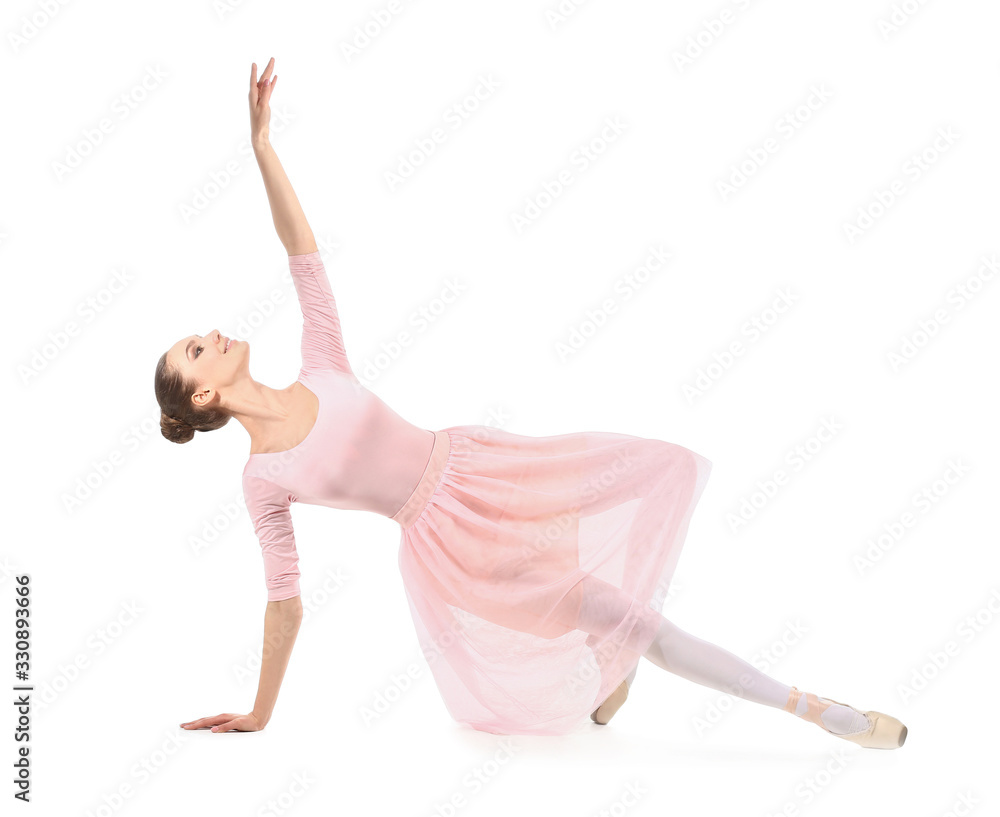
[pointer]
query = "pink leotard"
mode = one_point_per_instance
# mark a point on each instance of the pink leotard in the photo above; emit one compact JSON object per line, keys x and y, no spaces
{"x":359,"y":455}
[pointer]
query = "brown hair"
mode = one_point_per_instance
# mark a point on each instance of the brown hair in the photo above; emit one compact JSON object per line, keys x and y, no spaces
{"x":179,"y":419}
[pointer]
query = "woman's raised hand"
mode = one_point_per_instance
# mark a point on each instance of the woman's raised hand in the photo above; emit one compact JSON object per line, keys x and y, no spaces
{"x":260,"y":97}
{"x":226,"y":722}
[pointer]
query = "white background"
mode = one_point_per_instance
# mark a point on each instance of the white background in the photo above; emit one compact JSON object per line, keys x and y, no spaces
{"x":784,"y":588}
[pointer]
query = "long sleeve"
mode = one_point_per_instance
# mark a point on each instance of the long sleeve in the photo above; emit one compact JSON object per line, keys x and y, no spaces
{"x":322,"y":343}
{"x":269,"y":506}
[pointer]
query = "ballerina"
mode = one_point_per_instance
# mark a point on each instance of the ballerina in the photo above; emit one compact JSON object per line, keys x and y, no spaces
{"x":535,"y":567}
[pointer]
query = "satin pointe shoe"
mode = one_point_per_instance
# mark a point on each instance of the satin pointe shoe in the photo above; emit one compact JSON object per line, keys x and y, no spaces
{"x":884,"y":731}
{"x":612,"y":704}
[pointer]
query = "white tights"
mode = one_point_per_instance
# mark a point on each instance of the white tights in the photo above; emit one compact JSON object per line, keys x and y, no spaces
{"x":686,"y":655}
{"x":690,"y":657}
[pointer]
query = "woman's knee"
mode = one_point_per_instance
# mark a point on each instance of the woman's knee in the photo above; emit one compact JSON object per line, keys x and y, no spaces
{"x":603,"y":606}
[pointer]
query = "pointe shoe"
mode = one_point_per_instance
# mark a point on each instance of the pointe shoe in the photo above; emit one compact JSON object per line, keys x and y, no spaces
{"x":884,"y":731}
{"x":612,"y":704}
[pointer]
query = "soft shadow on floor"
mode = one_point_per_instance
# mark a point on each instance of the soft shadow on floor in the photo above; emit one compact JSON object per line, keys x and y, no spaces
{"x":599,"y":743}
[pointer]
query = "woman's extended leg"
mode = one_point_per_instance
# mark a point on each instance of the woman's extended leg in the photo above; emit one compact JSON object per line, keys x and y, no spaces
{"x":603,"y":605}
{"x":704,"y":663}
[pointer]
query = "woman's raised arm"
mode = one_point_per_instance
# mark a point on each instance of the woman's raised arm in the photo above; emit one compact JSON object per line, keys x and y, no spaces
{"x":289,"y":220}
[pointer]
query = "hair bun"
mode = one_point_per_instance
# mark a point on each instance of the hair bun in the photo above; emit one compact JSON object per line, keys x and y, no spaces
{"x":177,"y":431}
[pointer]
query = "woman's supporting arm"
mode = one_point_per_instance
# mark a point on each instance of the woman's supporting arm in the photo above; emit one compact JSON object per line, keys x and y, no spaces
{"x":281,"y":626}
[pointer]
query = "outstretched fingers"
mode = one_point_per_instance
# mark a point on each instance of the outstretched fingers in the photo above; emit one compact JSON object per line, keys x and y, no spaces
{"x":267,"y":72}
{"x":202,"y":723}
{"x":227,"y":725}
{"x":258,"y":85}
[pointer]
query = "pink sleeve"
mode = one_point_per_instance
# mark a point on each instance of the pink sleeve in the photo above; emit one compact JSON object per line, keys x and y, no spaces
{"x":269,"y":507}
{"x":322,"y":344}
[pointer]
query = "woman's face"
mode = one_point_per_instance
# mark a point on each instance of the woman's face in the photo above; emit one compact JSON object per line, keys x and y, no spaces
{"x":204,"y":360}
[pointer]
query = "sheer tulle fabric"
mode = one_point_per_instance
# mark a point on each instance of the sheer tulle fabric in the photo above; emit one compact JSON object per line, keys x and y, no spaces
{"x":536,"y":567}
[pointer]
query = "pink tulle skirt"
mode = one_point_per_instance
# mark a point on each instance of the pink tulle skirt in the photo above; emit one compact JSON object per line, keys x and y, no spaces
{"x":507,"y":538}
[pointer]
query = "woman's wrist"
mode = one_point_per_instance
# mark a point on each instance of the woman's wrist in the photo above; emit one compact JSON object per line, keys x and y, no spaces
{"x":260,"y":142}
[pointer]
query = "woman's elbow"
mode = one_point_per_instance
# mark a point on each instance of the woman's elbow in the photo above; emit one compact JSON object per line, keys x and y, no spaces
{"x":291,"y":608}
{"x":302,"y":244}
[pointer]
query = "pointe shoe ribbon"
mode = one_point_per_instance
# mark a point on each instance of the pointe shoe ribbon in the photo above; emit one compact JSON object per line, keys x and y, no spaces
{"x":612,"y":704}
{"x":883,"y":732}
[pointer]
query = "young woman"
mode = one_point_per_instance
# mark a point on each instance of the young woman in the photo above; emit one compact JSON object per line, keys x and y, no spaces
{"x":534,"y":567}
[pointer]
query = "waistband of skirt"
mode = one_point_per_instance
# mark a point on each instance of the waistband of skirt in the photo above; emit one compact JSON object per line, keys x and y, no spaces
{"x":427,"y":483}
